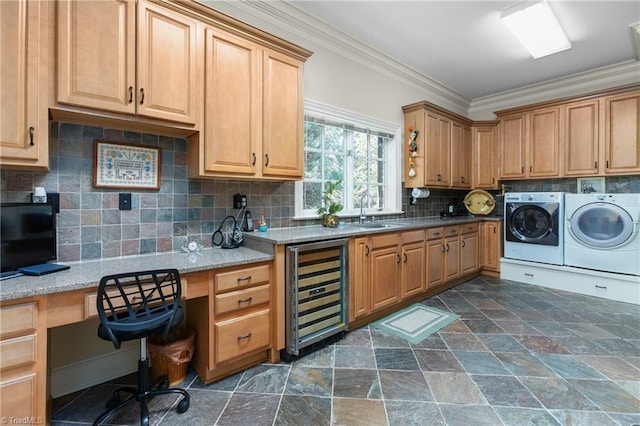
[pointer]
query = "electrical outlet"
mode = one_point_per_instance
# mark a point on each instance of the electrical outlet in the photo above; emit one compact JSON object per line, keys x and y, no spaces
{"x":54,"y":198}
{"x":239,"y":201}
{"x":124,"y":202}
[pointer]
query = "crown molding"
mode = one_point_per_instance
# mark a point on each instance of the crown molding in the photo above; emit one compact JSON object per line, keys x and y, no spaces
{"x":622,"y":74}
{"x":291,"y":18}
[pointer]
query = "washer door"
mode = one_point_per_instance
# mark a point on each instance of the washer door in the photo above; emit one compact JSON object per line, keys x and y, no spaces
{"x":601,"y":225}
{"x":533,"y":224}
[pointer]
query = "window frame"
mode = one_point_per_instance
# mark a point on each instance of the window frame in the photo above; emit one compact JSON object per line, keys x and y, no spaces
{"x":392,"y":170}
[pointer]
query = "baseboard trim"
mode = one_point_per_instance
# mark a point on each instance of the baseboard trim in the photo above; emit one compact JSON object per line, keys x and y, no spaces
{"x":93,"y":371}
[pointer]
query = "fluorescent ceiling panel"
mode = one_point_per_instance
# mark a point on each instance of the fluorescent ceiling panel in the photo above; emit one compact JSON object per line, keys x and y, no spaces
{"x":536,"y":27}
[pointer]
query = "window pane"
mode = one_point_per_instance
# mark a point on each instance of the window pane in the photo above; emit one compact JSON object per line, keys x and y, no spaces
{"x":360,"y":170}
{"x":312,"y":198}
{"x":333,"y":167}
{"x":333,"y":139}
{"x":360,"y":144}
{"x":376,"y":147}
{"x":312,"y":135}
{"x":313,"y":165}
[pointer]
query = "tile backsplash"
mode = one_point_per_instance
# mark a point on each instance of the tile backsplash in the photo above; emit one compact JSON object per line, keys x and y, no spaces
{"x":90,"y":225}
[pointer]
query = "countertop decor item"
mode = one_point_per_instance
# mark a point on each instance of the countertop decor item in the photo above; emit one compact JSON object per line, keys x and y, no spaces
{"x":331,"y":204}
{"x":479,"y":202}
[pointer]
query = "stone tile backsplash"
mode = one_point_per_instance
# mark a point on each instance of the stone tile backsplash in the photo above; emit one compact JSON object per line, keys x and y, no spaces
{"x":90,"y":226}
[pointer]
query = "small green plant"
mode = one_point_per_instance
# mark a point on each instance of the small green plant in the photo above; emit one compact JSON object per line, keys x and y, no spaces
{"x":330,"y":200}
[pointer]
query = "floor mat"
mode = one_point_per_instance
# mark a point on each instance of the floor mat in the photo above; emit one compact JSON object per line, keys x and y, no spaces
{"x":415,"y":323}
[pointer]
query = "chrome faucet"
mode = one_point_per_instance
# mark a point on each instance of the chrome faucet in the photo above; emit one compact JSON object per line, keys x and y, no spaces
{"x":362,"y":215}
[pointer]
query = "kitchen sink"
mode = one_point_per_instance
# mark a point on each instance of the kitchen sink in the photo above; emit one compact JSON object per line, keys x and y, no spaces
{"x":374,"y":225}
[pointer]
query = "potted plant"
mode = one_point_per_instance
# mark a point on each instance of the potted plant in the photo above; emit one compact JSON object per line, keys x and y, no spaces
{"x":331,"y":204}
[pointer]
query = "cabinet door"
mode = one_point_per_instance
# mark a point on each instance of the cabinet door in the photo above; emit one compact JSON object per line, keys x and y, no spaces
{"x":385,"y":264}
{"x":484,"y":159}
{"x":24,"y":130}
{"x":622,"y":133}
{"x":167,"y":86}
{"x":413,"y":269}
{"x":231,"y":103}
{"x":443,"y":175}
{"x":415,"y":119}
{"x":512,"y":147}
{"x":435,"y":263}
{"x":544,"y":143}
{"x":469,"y":255}
{"x":359,"y":279}
{"x":451,"y":258}
{"x":282,"y":115}
{"x":460,"y":156}
{"x":491,"y":245}
{"x":96,"y":54}
{"x":581,"y":139}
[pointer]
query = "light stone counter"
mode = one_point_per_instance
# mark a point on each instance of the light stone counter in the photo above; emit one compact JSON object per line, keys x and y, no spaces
{"x":87,"y":274}
{"x":304,"y":234}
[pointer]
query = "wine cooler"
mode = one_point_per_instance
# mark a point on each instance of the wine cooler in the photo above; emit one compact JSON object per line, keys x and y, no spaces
{"x":316,"y":305}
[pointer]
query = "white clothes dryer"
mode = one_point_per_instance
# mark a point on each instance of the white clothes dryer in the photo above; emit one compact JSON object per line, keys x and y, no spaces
{"x":601,"y":232}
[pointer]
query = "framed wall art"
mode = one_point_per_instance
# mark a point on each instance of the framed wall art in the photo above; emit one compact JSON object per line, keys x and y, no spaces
{"x":589,"y":185}
{"x":120,"y":165}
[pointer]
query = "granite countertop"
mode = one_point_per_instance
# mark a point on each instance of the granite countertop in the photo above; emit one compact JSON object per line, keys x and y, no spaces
{"x":259,"y":248}
{"x":305,"y":234}
{"x":87,"y":274}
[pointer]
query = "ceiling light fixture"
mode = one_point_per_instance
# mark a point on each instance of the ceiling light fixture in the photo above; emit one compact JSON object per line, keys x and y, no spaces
{"x":535,"y":25}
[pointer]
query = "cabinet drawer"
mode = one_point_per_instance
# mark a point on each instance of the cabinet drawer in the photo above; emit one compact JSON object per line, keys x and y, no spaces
{"x":450,"y":231}
{"x":17,"y":352}
{"x":195,"y":284}
{"x":238,"y":278}
{"x":91,"y":299}
{"x":468,"y":227}
{"x":241,"y":299}
{"x":413,"y":237}
{"x":241,"y":335}
{"x":435,"y":233}
{"x":18,"y":319}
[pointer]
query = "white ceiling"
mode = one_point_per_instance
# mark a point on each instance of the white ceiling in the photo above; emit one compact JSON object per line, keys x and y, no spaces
{"x":464,"y":46}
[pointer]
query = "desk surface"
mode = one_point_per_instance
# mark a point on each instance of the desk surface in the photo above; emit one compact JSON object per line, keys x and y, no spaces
{"x":87,"y":274}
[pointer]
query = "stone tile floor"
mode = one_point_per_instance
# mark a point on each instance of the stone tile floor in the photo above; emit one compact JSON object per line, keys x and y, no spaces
{"x":519,"y":355}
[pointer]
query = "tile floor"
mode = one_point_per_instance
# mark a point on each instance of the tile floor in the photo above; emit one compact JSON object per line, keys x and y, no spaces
{"x":519,"y":355}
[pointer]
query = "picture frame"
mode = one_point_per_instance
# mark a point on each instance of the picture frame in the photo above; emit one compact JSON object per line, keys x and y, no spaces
{"x":591,"y":185}
{"x":122,"y":165}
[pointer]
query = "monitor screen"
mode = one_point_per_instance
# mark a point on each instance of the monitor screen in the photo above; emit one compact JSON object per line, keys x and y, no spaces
{"x":27,"y":234}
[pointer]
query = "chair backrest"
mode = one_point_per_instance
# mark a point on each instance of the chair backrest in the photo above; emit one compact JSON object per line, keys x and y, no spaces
{"x":138,"y":301}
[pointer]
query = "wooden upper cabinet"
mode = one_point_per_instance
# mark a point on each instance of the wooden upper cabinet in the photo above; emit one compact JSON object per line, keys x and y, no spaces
{"x":98,"y":53}
{"x":581,"y":138}
{"x":282,"y":116}
{"x":544,"y":142}
{"x":622,"y":133}
{"x":484,"y":156}
{"x":512,"y":146}
{"x":24,"y":118}
{"x":232,"y":103}
{"x":460,"y":155}
{"x":443,"y":148}
{"x":167,"y":59}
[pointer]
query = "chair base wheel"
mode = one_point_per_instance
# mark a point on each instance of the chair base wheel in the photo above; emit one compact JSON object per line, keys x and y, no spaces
{"x":183,"y":406}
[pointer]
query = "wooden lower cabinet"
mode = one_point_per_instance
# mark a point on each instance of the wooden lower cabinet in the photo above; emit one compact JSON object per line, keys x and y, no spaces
{"x":234,"y":323}
{"x":22,"y":362}
{"x":413,"y":264}
{"x":469,"y":248}
{"x":385,"y":266}
{"x":491,"y":237}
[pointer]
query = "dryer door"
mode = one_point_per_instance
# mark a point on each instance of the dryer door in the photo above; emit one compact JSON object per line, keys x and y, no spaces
{"x":601,"y":225}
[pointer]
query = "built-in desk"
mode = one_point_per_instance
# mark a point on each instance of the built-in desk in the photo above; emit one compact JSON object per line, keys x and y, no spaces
{"x":31,"y":305}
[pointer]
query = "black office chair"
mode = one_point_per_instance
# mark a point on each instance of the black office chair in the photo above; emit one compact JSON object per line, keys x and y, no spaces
{"x":135,"y":306}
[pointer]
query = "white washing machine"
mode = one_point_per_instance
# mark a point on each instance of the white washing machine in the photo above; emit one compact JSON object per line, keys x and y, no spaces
{"x":533,"y":226}
{"x":601,"y":232}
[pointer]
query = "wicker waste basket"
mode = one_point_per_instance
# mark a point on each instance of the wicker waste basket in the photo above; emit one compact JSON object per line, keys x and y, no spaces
{"x":170,"y":355}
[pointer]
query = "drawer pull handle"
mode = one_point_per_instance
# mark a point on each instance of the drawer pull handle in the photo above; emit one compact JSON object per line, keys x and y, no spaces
{"x":141,"y":96}
{"x":436,"y":233}
{"x":602,"y":287}
{"x":247,"y":300}
{"x":130,"y":94}
{"x":245,"y":337}
{"x":244,"y":278}
{"x":526,"y":274}
{"x":404,"y":255}
{"x":317,"y":291}
{"x":31,"y":131}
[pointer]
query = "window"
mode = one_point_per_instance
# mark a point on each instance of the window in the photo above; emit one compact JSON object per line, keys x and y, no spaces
{"x":359,"y":151}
